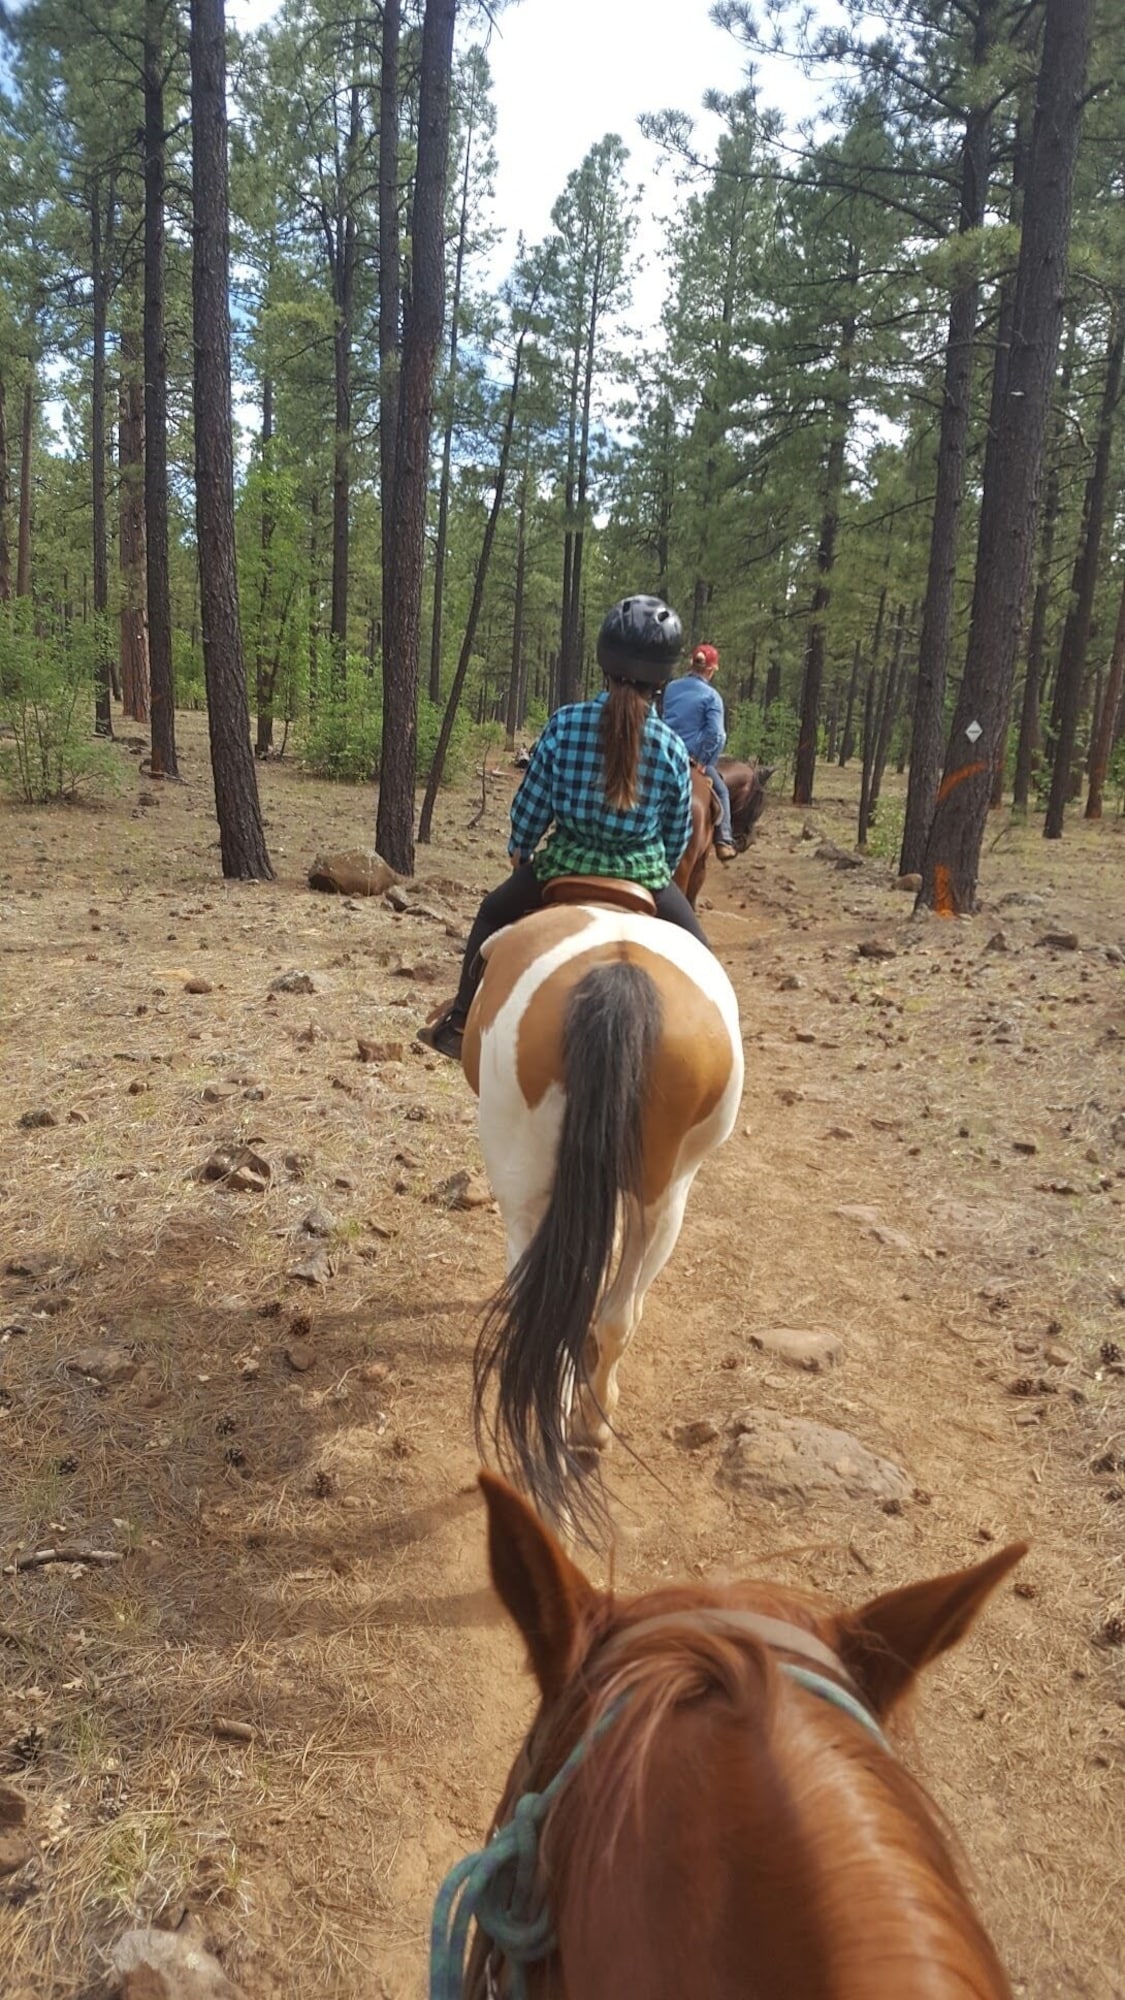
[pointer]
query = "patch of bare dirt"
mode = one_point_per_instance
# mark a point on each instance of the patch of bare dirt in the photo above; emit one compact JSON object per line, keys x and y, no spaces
{"x":285,"y":1700}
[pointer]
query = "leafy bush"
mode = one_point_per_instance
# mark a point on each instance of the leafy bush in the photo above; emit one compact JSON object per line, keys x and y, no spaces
{"x":47,"y":708}
{"x":344,"y":735}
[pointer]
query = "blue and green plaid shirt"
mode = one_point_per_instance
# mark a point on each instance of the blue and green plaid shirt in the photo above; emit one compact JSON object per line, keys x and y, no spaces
{"x":565,"y":782}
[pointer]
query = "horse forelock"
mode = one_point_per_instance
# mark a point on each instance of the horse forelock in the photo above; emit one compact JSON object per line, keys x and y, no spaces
{"x":857,"y":1855}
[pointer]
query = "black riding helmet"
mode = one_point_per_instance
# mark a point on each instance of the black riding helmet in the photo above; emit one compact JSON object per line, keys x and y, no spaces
{"x":641,"y":640}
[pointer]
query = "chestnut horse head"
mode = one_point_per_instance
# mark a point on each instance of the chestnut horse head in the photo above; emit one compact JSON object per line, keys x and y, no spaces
{"x":746,"y":783}
{"x":706,"y":1803}
{"x":606,"y":1051}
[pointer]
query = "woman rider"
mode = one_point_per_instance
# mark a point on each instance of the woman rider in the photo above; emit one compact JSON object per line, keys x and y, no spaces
{"x":616,"y":782}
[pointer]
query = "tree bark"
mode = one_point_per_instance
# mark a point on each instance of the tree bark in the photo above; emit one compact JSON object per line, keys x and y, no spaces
{"x":517,"y":676}
{"x":265,"y":675}
{"x":163,"y":690}
{"x":1076,"y":632}
{"x":342,"y":237}
{"x":437,"y":623}
{"x":27,"y":444}
{"x":5,"y":501}
{"x":241,"y":837}
{"x":889,"y":709}
{"x":868,"y":758}
{"x":1009,"y":507}
{"x":390,"y":291}
{"x":100,"y":237}
{"x":835,"y":468}
{"x":1102,"y":749}
{"x":133,"y":623}
{"x":402,"y":606}
{"x":927,"y":740}
{"x":1029,"y":738}
{"x":479,"y":581}
{"x":847,"y":734}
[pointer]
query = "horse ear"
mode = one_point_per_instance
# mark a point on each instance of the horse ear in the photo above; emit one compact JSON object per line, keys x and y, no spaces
{"x":765,"y":773}
{"x":540,"y":1588}
{"x":886,"y":1644}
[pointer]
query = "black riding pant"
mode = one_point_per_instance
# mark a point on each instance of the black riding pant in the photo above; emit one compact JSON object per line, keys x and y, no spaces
{"x":517,"y":897}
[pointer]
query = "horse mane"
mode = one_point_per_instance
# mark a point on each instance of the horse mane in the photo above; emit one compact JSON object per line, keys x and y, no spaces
{"x":808,"y":1771}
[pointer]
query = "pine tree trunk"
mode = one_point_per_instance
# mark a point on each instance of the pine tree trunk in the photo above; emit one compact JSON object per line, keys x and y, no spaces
{"x":402,"y":604}
{"x":927,"y":741}
{"x":514,"y":714}
{"x":847,"y":734}
{"x":868,"y":758}
{"x":390,"y":293}
{"x":438,"y":621}
{"x":1076,"y":632}
{"x":241,"y":837}
{"x":1029,"y":739}
{"x":479,"y":581}
{"x":265,"y":676}
{"x":133,"y":624}
{"x":1009,"y":507}
{"x":1107,"y":717}
{"x":888,"y":710}
{"x":814,"y":649}
{"x":99,"y":286}
{"x":343,"y":294}
{"x":27,"y":443}
{"x":5,"y":502}
{"x":163,"y":691}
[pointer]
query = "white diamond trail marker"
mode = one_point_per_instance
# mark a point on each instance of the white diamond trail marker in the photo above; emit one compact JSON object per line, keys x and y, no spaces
{"x":974,"y":732}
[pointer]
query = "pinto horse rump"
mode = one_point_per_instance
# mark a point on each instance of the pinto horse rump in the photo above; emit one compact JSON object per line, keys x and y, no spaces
{"x":606,"y":1052}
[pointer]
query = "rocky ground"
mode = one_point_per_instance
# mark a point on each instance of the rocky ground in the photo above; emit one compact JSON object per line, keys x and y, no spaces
{"x":250,"y":1665}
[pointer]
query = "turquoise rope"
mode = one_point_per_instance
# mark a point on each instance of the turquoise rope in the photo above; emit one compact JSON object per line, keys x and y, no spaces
{"x":500,"y":1884}
{"x":500,"y":1887}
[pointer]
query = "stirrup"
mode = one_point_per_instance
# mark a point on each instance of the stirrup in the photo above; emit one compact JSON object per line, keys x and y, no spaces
{"x":443,"y":1036}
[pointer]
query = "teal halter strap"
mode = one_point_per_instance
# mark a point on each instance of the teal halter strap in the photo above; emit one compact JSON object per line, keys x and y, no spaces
{"x":500,"y":1886}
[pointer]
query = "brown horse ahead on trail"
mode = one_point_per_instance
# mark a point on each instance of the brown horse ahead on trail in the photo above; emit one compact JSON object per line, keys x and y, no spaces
{"x":746,"y":783}
{"x":706,"y":1805}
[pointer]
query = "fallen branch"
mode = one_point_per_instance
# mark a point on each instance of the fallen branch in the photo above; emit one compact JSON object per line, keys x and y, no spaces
{"x":39,"y":1558}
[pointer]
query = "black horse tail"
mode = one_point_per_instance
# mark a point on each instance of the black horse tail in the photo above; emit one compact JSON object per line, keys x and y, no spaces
{"x":534,"y":1339}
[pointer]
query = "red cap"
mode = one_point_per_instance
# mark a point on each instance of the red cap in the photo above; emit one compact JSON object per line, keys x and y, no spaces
{"x":707,"y":656}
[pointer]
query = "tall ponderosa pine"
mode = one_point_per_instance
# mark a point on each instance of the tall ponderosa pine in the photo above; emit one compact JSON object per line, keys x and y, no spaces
{"x":241,"y":836}
{"x":1009,"y":506}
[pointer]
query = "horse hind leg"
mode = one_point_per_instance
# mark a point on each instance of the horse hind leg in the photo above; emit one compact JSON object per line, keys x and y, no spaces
{"x":650,"y":1238}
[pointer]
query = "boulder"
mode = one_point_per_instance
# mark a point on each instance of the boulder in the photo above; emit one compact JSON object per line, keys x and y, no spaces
{"x":359,"y":872}
{"x":772,"y":1457}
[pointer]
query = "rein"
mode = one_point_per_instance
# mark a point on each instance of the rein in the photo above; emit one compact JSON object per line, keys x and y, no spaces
{"x":500,"y":1885}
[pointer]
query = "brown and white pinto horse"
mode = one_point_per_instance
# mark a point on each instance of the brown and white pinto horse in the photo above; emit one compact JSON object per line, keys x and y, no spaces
{"x":746,"y":783}
{"x":738,"y":1826}
{"x":606,"y":1052}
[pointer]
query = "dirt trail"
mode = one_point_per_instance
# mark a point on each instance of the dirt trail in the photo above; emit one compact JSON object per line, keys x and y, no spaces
{"x":303,"y":1550}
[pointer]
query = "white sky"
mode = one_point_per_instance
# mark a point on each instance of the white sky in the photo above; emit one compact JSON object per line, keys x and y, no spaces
{"x":566,"y":72}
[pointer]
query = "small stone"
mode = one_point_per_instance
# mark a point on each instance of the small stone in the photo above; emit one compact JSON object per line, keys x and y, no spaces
{"x":1060,"y":940}
{"x":838,"y":856}
{"x":218,"y":1093}
{"x":872,"y":1222}
{"x":1025,"y":1146}
{"x":255,"y":1093}
{"x":198,"y":985}
{"x":792,"y":983}
{"x":1057,"y":1356}
{"x":170,"y":1965}
{"x":297,"y":1165}
{"x":13,"y":1807}
{"x":34,"y":1121}
{"x":138,"y":1087}
{"x":693,"y":1436}
{"x":318,"y":1222}
{"x":997,"y":942}
{"x":106,"y":1365}
{"x":344,"y":1182}
{"x":876,"y":948}
{"x":357,"y":872}
{"x":238,"y":1167}
{"x":293,"y":982}
{"x":77,"y":1117}
{"x":909,"y":884}
{"x":380,"y":1052}
{"x":839,"y":1132}
{"x":15,"y":1852}
{"x":300,"y":1356}
{"x":460,"y":1191}
{"x":810,"y":1349}
{"x":315,"y":1269}
{"x":789,"y":1458}
{"x":250,"y":1368}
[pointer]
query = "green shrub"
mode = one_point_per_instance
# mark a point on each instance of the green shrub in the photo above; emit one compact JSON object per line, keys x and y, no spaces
{"x":47,"y":709}
{"x":344,"y":735}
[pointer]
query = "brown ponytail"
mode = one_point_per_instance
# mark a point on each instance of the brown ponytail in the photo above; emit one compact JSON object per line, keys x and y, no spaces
{"x":622,"y":733}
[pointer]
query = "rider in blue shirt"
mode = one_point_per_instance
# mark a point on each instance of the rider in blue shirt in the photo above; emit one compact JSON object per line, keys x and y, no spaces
{"x":694,"y":709}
